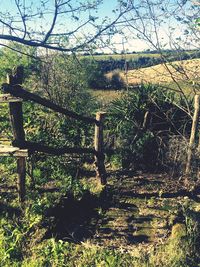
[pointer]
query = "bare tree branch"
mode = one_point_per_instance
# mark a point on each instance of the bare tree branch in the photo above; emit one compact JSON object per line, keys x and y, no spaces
{"x":31,"y":25}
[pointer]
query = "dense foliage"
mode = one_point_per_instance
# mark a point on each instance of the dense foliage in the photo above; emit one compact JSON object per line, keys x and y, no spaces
{"x":60,"y":79}
{"x":141,"y":124}
{"x":96,"y":78}
{"x":10,"y":59}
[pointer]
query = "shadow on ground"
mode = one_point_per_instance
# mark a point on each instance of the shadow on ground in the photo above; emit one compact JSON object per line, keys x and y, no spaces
{"x":133,"y":209}
{"x":75,"y":220}
{"x":106,"y":220}
{"x":9,"y":211}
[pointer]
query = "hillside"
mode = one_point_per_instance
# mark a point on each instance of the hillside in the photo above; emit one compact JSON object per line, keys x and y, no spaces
{"x":187,"y":71}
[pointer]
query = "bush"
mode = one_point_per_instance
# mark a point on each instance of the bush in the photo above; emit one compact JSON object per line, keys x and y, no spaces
{"x":141,"y":123}
{"x":115,"y":80}
{"x":63,"y":82}
{"x":96,"y":76}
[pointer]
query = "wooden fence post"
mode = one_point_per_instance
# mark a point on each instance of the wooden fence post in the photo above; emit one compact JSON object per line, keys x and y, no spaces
{"x":16,"y":117}
{"x":198,"y":147}
{"x":192,"y":145}
{"x":99,"y":147}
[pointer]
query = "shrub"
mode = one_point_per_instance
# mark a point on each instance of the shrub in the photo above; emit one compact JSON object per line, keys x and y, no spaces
{"x":115,"y":80}
{"x":142,"y":122}
{"x":94,"y":75}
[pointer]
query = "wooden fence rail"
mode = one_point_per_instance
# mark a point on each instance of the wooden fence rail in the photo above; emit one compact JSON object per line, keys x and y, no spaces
{"x":18,"y":91}
{"x":57,"y":151}
{"x":22,"y":148}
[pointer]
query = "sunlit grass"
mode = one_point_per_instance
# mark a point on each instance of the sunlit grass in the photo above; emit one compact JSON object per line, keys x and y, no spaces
{"x":106,"y":96}
{"x":178,"y":75}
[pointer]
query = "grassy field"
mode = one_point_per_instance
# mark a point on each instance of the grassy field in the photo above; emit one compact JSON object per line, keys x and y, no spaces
{"x":179,"y":73}
{"x":106,"y":96}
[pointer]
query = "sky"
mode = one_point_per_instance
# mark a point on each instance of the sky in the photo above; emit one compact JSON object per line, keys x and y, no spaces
{"x":169,"y":29}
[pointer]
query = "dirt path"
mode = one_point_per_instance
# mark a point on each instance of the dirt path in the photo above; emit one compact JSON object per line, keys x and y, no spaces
{"x":143,"y":209}
{"x":135,"y":209}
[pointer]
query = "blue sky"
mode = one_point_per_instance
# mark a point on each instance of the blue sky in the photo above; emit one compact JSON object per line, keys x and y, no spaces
{"x":131,"y":43}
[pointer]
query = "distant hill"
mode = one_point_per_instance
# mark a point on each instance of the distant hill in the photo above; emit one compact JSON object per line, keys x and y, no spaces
{"x":187,"y":71}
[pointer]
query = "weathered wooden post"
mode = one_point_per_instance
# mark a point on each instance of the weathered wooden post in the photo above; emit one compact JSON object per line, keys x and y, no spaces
{"x":16,"y":117}
{"x":192,"y":144}
{"x":99,"y":148}
{"x":198,"y":148}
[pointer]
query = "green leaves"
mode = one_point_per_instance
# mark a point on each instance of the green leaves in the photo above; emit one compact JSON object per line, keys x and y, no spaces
{"x":197,"y":22}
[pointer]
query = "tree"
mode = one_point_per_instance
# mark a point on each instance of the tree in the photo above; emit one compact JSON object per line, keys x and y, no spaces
{"x":9,"y":59}
{"x":68,"y":25}
{"x":63,"y":25}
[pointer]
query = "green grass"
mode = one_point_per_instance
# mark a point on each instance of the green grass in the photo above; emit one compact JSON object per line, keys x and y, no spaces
{"x":106,"y":96}
{"x":184,"y":86}
{"x":21,"y":244}
{"x":22,"y":240}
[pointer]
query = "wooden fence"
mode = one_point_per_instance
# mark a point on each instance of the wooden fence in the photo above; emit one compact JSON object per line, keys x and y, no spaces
{"x":14,"y":95}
